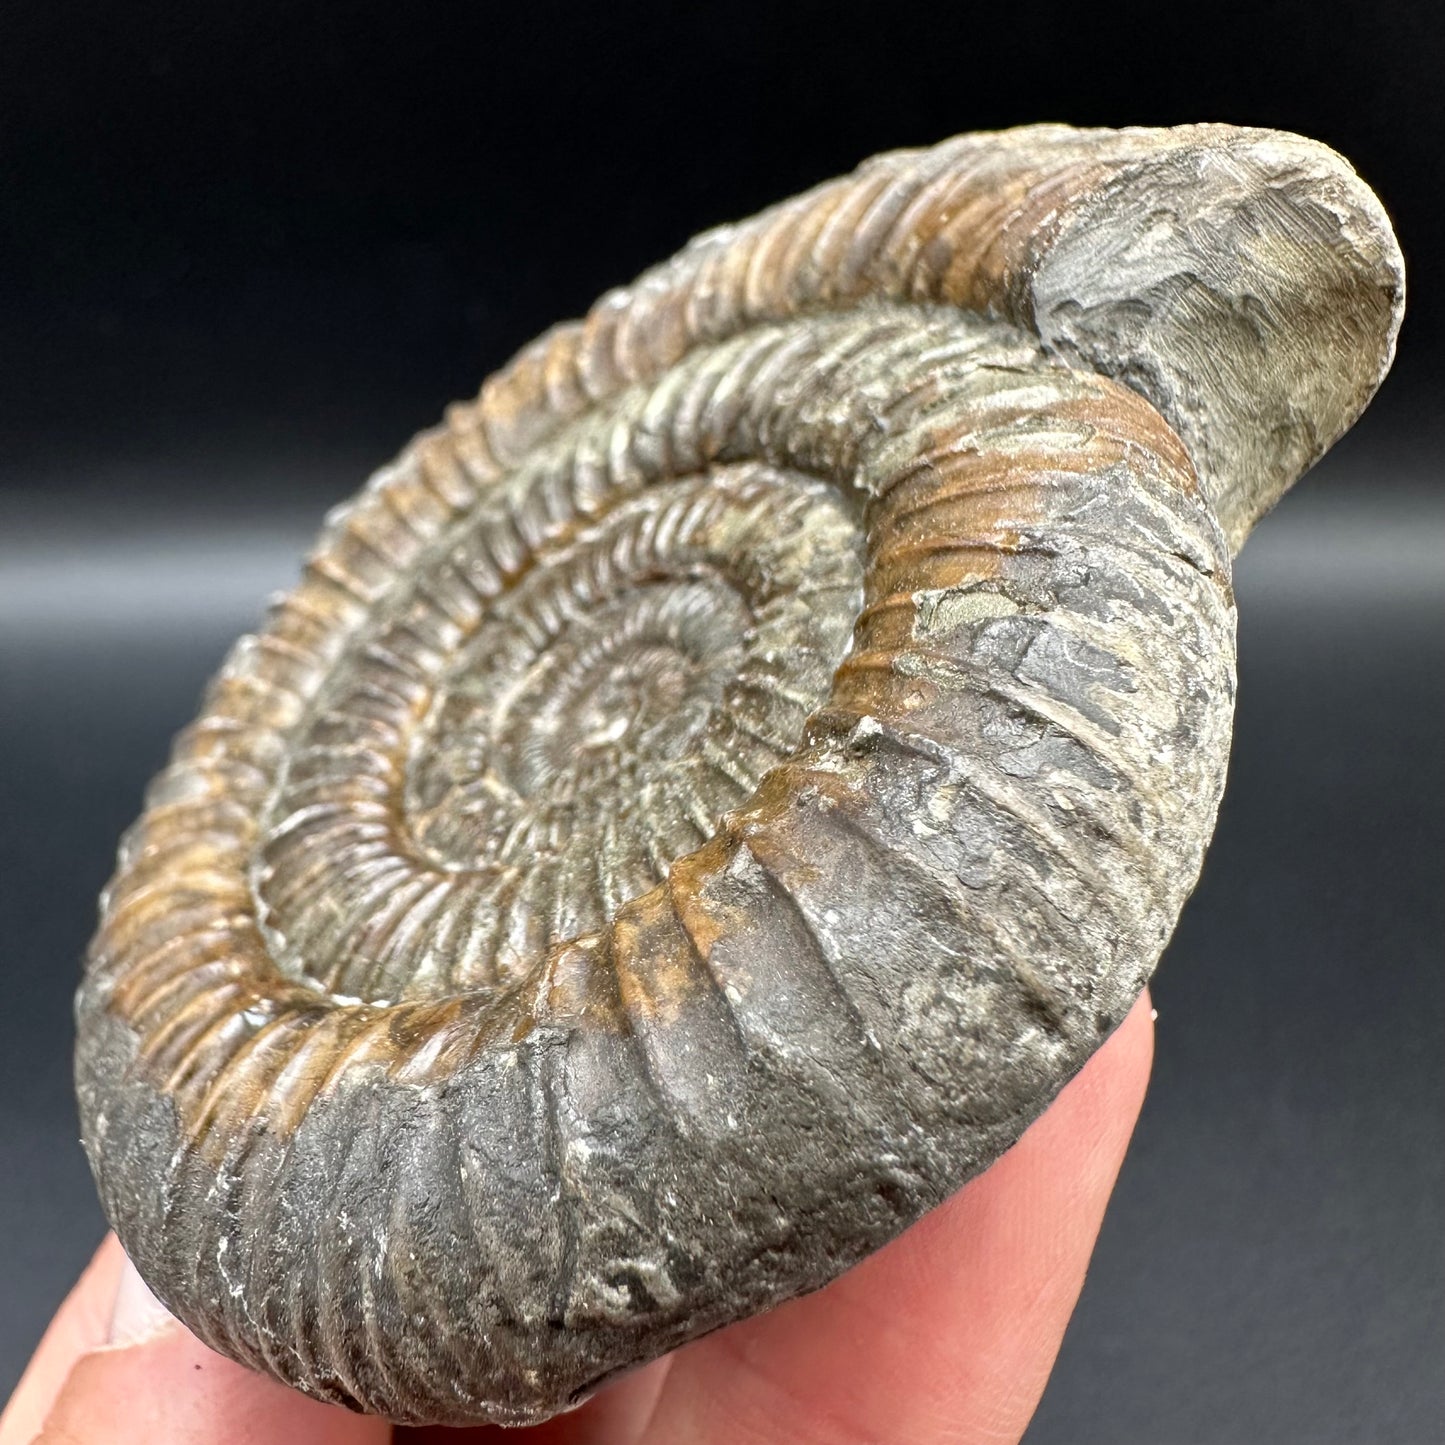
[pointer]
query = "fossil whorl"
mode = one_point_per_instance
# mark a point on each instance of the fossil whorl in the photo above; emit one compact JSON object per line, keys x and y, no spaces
{"x":702,"y":802}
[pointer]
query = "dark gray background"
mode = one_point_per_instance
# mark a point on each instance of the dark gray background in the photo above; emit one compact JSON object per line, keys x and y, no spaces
{"x":248,"y":251}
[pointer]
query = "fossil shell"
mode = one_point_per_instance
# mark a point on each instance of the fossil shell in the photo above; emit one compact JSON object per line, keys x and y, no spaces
{"x":703,"y":801}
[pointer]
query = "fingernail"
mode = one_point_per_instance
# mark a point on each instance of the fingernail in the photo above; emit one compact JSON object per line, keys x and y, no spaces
{"x":137,"y":1314}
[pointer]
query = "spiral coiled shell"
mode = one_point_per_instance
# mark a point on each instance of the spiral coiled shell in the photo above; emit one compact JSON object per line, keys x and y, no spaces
{"x":702,"y":802}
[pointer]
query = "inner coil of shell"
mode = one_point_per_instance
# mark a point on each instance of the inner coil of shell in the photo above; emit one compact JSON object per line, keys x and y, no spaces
{"x":704,"y":801}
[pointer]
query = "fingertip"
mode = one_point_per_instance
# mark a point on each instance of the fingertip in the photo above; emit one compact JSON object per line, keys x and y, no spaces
{"x":116,"y":1366}
{"x":81,"y":1323}
{"x":1130,"y":1050}
{"x":137,"y":1314}
{"x":169,"y":1387}
{"x":1094,"y":1116}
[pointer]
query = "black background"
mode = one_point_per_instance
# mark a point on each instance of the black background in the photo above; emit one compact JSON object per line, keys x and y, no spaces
{"x":248,"y":249}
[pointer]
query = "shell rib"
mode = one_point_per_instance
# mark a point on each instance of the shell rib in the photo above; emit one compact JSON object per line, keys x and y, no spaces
{"x":703,"y":802}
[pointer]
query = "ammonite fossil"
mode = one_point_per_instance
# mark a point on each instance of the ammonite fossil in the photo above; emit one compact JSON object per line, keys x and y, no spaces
{"x":705,"y":799}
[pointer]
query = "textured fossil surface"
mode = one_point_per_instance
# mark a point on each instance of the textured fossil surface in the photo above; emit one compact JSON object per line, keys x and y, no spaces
{"x":702,"y":802}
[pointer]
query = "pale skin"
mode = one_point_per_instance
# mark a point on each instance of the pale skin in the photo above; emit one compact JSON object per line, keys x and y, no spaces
{"x":945,"y":1337}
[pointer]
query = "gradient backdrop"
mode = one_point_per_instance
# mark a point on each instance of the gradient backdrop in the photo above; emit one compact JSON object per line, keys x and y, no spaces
{"x":247,"y":250}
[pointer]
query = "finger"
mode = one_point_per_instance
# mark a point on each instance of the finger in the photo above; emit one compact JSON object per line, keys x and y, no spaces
{"x":149,"y":1381}
{"x":949,"y":1333}
{"x":81,"y":1323}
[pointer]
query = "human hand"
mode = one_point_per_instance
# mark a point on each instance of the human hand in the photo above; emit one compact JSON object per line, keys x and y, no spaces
{"x":947,"y":1335}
